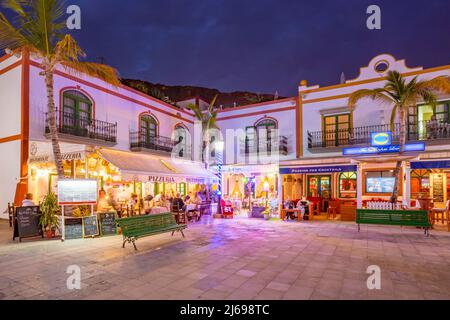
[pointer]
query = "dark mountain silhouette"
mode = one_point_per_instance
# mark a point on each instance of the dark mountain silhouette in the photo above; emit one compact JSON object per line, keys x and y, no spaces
{"x":173,"y":94}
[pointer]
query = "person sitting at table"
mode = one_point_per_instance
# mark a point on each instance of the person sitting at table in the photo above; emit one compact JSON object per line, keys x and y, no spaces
{"x":301,"y":207}
{"x":197,"y":199}
{"x":28,"y":201}
{"x":148,"y":203}
{"x":112,"y":200}
{"x":102,"y":204}
{"x":288,"y":204}
{"x":177,"y":202}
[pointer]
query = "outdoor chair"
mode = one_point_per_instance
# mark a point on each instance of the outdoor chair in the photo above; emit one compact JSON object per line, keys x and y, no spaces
{"x":439,"y":214}
{"x":10,"y":214}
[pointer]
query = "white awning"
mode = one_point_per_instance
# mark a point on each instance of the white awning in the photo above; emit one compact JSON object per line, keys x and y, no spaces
{"x":147,"y":167}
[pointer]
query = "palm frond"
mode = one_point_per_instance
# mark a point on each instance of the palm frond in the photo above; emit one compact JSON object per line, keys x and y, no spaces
{"x":379,"y":95}
{"x":441,"y":83}
{"x":97,"y":70}
{"x":196,"y":109}
{"x":10,"y":37}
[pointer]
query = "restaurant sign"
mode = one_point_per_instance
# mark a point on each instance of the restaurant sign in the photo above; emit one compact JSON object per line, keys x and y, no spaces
{"x":161,"y":179}
{"x":328,"y":169}
{"x":357,"y":151}
{"x":378,"y":139}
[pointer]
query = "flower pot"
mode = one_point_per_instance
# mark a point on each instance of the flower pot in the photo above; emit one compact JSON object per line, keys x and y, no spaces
{"x":267,"y":217}
{"x":49,"y":234}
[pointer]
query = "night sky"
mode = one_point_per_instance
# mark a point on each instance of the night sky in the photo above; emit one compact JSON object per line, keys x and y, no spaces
{"x":259,"y":45}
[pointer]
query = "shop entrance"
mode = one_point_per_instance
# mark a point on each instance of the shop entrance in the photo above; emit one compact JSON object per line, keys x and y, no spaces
{"x":319,"y":186}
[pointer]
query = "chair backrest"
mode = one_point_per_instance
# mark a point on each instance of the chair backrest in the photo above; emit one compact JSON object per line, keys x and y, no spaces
{"x":447,"y":205}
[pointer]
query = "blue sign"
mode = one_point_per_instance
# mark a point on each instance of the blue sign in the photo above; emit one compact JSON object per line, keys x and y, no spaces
{"x":443,"y":164}
{"x":410,"y":147}
{"x":378,"y":139}
{"x":299,"y":170}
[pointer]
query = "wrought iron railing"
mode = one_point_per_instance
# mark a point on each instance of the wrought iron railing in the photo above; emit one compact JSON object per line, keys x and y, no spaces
{"x":74,"y":125}
{"x":141,"y":139}
{"x":278,"y":144}
{"x":419,"y":131}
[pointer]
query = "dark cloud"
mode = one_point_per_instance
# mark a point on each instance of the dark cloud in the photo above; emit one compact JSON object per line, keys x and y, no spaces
{"x":259,"y":45}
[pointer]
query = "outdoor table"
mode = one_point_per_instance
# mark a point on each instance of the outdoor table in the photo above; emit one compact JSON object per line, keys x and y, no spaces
{"x":156,"y":210}
{"x":191,"y":207}
{"x":297,"y":211}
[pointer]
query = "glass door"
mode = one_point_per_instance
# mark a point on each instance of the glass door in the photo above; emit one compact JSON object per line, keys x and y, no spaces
{"x":319,"y":186}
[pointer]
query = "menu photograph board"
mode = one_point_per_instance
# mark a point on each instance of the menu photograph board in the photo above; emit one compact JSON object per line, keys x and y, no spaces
{"x":77,"y":192}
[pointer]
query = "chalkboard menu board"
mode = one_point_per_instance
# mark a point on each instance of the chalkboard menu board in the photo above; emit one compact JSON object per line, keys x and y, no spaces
{"x":438,"y":188}
{"x":90,"y":226}
{"x":107,"y":223}
{"x":27,"y":223}
{"x":73,"y":228}
{"x":257,"y":212}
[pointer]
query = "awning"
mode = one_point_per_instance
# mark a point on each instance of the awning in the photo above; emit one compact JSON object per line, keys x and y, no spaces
{"x":439,"y":164}
{"x":147,"y":167}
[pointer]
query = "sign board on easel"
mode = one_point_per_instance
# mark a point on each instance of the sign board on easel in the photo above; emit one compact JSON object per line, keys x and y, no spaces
{"x":76,"y":192}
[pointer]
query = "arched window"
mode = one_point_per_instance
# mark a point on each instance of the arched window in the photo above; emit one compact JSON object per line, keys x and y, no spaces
{"x":262,"y":137}
{"x":347,"y":185}
{"x":149,"y":128}
{"x":181,"y":141}
{"x":76,"y":109}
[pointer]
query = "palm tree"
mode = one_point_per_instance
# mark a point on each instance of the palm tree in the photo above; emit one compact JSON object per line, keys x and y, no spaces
{"x":209,"y":121}
{"x":38,"y":27}
{"x":402,"y":95}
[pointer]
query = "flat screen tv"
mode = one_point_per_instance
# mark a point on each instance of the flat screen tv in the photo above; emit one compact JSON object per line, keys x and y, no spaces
{"x":380,"y":185}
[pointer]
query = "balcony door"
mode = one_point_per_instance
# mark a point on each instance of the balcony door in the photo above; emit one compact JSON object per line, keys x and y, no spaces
{"x":420,"y":116}
{"x":149,"y":129}
{"x":76,"y":113}
{"x":181,"y":141}
{"x":336,"y":130}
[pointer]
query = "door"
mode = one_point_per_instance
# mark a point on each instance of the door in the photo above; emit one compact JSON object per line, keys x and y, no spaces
{"x":336,"y":130}
{"x":319,"y":186}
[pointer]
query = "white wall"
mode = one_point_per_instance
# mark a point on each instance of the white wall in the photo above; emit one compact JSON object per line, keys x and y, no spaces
{"x":109,"y":107}
{"x":10,"y":125}
{"x":283,"y":111}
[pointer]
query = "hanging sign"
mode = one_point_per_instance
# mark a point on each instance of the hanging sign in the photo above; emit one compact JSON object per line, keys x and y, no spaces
{"x":378,"y":139}
{"x":348,"y":168}
{"x":357,"y":151}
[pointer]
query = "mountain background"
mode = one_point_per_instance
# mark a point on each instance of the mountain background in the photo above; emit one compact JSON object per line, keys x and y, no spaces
{"x":172,"y":94}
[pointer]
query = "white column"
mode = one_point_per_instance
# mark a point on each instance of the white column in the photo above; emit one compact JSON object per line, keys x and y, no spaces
{"x":280,"y":192}
{"x":407,"y":184}
{"x":359,"y":185}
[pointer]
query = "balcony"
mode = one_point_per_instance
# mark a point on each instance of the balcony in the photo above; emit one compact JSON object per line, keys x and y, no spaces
{"x":279,"y":145}
{"x":139,"y":141}
{"x":75,"y":129}
{"x":331,"y":141}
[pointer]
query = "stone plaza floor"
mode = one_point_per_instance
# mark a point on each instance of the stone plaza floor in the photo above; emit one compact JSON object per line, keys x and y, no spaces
{"x":234,"y":259}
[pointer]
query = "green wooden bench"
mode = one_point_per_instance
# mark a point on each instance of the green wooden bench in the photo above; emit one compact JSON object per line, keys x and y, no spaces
{"x":137,"y":227}
{"x":410,"y":218}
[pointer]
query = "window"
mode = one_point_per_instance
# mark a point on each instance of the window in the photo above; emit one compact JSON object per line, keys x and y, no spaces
{"x":336,"y":129}
{"x":347,"y":185}
{"x":262,"y":137}
{"x":149,"y":128}
{"x":76,"y":110}
{"x":418,"y":118}
{"x":379,"y":181}
{"x":181,"y":141}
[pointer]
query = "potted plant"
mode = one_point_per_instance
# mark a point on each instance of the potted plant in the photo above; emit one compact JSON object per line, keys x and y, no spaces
{"x":49,"y":220}
{"x":267,"y":214}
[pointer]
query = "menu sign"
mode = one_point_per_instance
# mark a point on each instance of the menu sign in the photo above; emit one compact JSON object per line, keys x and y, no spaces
{"x":438,"y":188}
{"x":73,"y":228}
{"x":77,"y":192}
{"x":90,"y":226}
{"x":27,"y":223}
{"x":107,"y":223}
